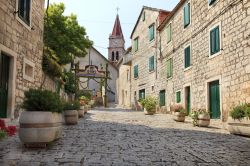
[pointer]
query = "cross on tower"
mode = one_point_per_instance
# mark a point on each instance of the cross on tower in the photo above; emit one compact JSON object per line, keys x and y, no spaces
{"x":117,"y":9}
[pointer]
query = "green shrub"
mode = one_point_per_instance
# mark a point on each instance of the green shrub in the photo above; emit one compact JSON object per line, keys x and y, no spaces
{"x":247,"y":112}
{"x":51,"y":67}
{"x":3,"y":134}
{"x":149,"y":103}
{"x":238,"y":112}
{"x":42,"y":100}
{"x":71,"y":105}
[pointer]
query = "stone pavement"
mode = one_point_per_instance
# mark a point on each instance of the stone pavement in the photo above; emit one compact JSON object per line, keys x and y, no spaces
{"x":122,"y":137}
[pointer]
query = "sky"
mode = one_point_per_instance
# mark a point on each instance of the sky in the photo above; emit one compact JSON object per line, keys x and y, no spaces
{"x":98,"y":17}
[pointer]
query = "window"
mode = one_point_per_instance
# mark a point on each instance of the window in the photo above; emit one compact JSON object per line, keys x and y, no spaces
{"x":186,"y":11}
{"x":162,"y":97}
{"x":136,"y":71}
{"x":117,"y":55}
{"x":151,"y":63}
{"x":210,"y":2}
{"x":187,"y":57}
{"x":151,"y":30}
{"x":143,"y":16}
{"x":128,"y":75}
{"x":136,"y":44}
{"x":24,"y":7}
{"x":169,"y":33}
{"x":142,"y":94}
{"x":113,"y":56}
{"x":169,"y":68}
{"x":215,"y":40}
{"x":178,"y":97}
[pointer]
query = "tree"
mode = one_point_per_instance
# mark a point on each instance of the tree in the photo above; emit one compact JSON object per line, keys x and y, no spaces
{"x":64,"y":38}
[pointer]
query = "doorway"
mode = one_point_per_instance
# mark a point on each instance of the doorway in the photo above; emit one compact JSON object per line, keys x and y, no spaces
{"x":4,"y":85}
{"x":214,"y":99}
{"x":188,"y":99}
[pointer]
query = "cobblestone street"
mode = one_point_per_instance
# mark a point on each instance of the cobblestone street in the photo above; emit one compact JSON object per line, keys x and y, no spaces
{"x":120,"y":137}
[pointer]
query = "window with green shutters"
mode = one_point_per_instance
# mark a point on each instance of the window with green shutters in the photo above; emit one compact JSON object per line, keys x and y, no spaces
{"x":142,"y":94}
{"x":187,"y":57}
{"x":215,"y":40}
{"x":24,"y":7}
{"x":162,"y":97}
{"x":169,"y":33}
{"x":151,"y":63}
{"x":151,"y":30}
{"x":136,"y":71}
{"x":178,"y":97}
{"x":136,"y":44}
{"x":210,"y":2}
{"x":186,"y":13}
{"x":144,"y":16}
{"x":169,"y":68}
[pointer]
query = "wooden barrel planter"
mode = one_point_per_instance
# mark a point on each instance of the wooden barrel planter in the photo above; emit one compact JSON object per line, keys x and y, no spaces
{"x":40,"y":128}
{"x":71,"y":117}
{"x":239,"y":127}
{"x":203,"y":120}
{"x":146,"y":112}
{"x":86,"y":108}
{"x":179,"y":117}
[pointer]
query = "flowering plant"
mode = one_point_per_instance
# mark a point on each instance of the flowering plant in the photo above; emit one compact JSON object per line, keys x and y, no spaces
{"x":6,"y":130}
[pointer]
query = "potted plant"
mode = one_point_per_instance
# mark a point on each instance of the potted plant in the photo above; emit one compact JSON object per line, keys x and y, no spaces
{"x":179,"y":113}
{"x":239,"y":120}
{"x":70,"y":112}
{"x":41,"y":122}
{"x":203,"y":119}
{"x":200,"y":117}
{"x":81,"y":109}
{"x":149,"y":104}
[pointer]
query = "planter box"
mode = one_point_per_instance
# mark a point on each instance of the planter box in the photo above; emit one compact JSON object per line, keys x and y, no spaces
{"x":179,"y":117}
{"x":148,"y":113}
{"x":239,"y":127}
{"x":203,"y":120}
{"x":39,"y":127}
{"x":80,"y":113}
{"x":71,"y":117}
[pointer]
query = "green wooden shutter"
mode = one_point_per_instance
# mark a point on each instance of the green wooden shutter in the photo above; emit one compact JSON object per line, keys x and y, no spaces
{"x":144,"y":16}
{"x":151,"y":63}
{"x":169,"y":68}
{"x":187,"y":56}
{"x":215,"y":40}
{"x":169,"y":33}
{"x":186,"y":14}
{"x":162,"y":98}
{"x":136,"y":71}
{"x":178,"y":97}
{"x":136,"y":44}
{"x":151,"y":32}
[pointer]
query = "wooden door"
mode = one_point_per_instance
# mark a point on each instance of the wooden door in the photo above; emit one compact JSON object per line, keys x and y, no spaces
{"x":214,"y":99}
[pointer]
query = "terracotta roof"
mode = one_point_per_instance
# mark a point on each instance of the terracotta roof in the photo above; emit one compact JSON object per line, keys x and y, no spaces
{"x":165,"y":21}
{"x":138,"y":19}
{"x":117,"y":29}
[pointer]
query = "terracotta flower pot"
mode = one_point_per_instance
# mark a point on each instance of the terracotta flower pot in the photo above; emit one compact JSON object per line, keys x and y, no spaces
{"x":179,"y":117}
{"x":39,"y":127}
{"x":71,"y":117}
{"x":203,"y":120}
{"x":239,"y":127}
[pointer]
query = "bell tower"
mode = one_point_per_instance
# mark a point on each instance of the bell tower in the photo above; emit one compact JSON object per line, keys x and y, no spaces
{"x":116,"y":47}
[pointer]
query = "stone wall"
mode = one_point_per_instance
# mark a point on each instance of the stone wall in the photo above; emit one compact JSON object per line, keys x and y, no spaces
{"x":24,"y":45}
{"x":230,"y":66}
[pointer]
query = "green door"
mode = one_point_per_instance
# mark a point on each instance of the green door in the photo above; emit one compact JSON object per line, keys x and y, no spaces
{"x":4,"y":77}
{"x":214,"y":99}
{"x":188,"y":98}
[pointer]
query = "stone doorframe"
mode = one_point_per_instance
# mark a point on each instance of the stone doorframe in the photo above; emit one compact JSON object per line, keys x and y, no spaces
{"x":216,"y":78}
{"x":11,"y":81}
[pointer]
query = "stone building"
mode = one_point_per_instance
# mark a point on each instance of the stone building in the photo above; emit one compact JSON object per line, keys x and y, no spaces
{"x":94,"y":57}
{"x":201,"y":57}
{"x":116,"y":47}
{"x":124,"y":79}
{"x":144,"y":52}
{"x":21,"y":49}
{"x":204,"y":61}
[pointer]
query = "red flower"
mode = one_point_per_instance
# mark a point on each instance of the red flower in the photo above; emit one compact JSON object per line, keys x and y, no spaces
{"x":2,"y":123}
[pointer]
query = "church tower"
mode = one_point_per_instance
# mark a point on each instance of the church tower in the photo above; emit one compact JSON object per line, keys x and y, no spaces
{"x":116,"y":47}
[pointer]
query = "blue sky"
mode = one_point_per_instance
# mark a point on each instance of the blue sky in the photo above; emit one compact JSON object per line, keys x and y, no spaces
{"x":98,"y":16}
